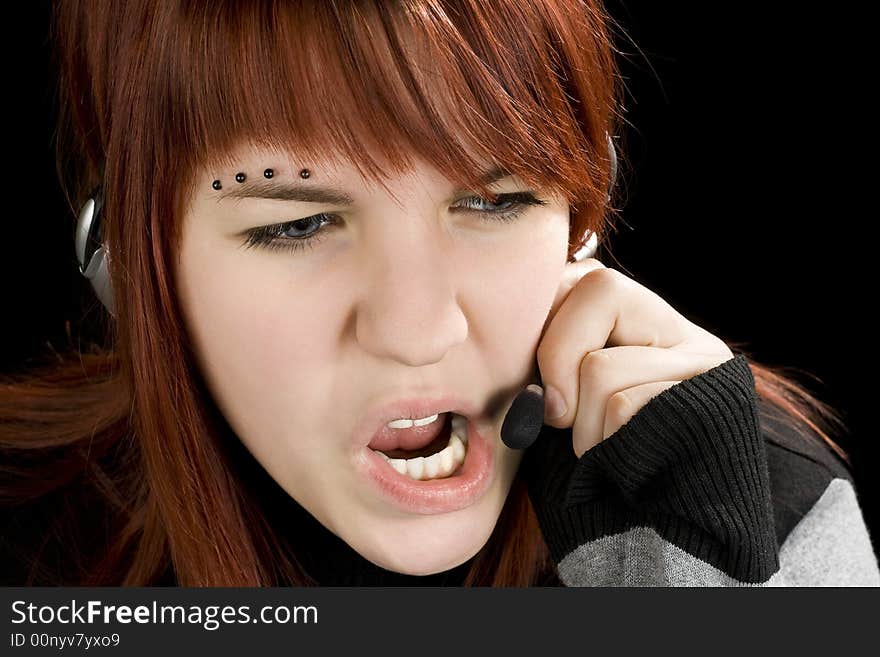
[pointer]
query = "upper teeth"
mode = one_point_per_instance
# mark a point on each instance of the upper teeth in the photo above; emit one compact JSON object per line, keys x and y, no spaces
{"x":439,"y":465}
{"x":406,"y":424}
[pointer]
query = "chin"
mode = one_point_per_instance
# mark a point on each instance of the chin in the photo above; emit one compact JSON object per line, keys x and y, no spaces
{"x":430,"y":558}
{"x":428,"y":545}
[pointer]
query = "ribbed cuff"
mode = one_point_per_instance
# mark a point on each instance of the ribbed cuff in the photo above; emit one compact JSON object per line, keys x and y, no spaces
{"x":691,"y":464}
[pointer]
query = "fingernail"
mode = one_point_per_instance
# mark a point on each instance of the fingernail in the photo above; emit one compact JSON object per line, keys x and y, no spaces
{"x":554,"y":403}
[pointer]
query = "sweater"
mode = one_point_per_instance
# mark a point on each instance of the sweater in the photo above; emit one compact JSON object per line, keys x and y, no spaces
{"x":704,"y":486}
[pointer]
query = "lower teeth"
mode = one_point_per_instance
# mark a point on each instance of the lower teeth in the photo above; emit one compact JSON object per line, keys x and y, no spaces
{"x":439,"y":465}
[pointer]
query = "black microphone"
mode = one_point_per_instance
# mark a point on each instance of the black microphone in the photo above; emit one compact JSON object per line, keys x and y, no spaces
{"x":524,"y":418}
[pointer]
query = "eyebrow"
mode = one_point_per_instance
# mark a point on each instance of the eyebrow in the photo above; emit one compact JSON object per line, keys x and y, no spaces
{"x":282,"y":191}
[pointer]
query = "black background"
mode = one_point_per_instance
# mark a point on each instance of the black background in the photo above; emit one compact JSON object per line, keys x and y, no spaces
{"x":742,"y":195}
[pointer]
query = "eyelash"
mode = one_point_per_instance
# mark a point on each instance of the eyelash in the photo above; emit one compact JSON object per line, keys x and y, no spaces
{"x":270,"y":237}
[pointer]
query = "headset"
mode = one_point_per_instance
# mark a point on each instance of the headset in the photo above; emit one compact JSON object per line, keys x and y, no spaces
{"x":93,"y":255}
{"x":588,"y":250}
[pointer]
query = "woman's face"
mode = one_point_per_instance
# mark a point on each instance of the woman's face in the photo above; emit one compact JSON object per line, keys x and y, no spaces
{"x":431,"y":299}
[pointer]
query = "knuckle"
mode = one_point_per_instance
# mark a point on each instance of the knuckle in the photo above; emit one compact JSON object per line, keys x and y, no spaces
{"x":713,"y":343}
{"x":607,"y":277}
{"x":595,"y":367}
{"x":619,"y":408}
{"x":724,"y":350}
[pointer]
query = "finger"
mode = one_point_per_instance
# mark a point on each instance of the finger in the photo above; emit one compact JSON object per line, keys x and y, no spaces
{"x":623,"y":405}
{"x":571,"y":274}
{"x":604,"y":307}
{"x":609,"y":371}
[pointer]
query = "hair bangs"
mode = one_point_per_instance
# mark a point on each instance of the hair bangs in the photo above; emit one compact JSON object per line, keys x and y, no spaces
{"x":460,"y":84}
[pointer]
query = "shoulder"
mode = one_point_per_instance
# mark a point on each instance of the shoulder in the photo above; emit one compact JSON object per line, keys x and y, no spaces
{"x":802,"y":468}
{"x":822,"y":537}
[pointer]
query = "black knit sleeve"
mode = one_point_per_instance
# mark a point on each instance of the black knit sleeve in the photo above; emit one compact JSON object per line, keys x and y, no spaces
{"x":679,"y":494}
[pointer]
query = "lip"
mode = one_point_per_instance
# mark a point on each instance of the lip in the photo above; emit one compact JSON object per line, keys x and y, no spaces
{"x":458,"y":491}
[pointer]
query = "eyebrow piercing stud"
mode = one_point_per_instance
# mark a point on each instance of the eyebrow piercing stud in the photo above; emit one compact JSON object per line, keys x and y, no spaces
{"x":240,"y":177}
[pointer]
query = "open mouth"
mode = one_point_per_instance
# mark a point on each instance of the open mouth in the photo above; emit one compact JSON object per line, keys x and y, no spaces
{"x":440,"y":458}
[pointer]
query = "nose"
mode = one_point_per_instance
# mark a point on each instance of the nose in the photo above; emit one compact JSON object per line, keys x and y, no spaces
{"x":409,"y":310}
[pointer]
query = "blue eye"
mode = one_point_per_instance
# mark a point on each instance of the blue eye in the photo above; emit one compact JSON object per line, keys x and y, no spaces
{"x":292,"y":235}
{"x":308,"y":232}
{"x":502,"y":209}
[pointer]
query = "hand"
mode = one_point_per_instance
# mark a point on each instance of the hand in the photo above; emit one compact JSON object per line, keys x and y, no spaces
{"x":609,"y":346}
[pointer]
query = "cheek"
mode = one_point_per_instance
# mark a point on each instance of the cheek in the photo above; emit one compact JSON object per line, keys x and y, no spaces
{"x":512,"y":306}
{"x":257,"y":338}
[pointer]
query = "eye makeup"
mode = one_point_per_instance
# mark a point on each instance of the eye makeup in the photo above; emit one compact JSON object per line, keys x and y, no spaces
{"x":507,"y":208}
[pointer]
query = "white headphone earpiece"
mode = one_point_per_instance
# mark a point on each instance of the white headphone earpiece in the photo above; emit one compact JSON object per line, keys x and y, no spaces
{"x":91,"y":253}
{"x":588,"y":250}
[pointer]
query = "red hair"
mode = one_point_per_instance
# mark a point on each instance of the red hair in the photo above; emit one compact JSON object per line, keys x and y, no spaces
{"x":157,"y":91}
